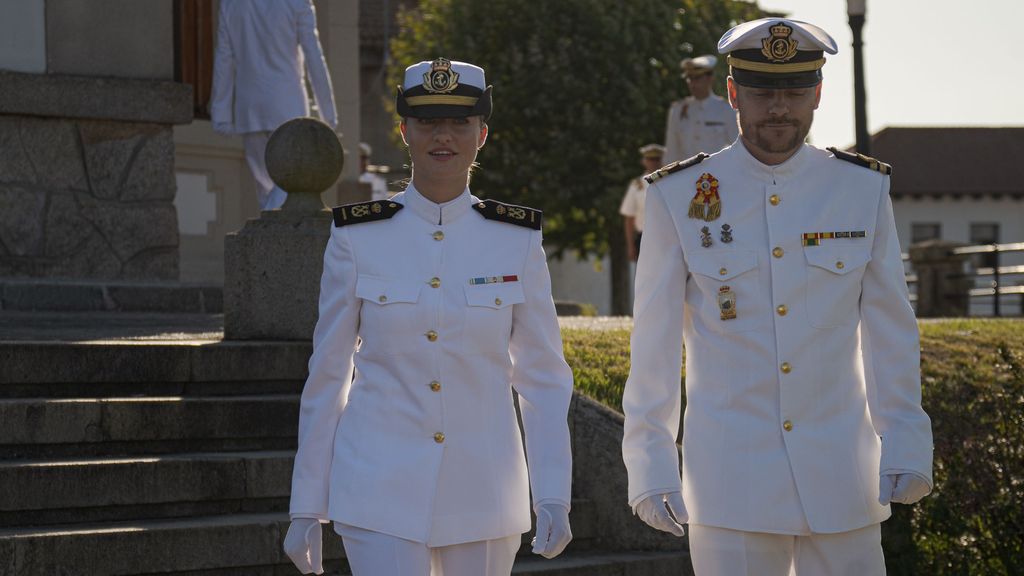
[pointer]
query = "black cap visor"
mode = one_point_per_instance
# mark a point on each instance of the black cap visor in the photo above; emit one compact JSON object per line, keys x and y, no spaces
{"x":778,"y":81}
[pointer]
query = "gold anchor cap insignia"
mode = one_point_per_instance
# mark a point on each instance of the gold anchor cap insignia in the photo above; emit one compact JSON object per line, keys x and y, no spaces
{"x":441,"y":79}
{"x":779,"y":47}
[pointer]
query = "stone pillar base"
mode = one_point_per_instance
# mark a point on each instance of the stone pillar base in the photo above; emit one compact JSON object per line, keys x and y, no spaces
{"x":272,"y":270}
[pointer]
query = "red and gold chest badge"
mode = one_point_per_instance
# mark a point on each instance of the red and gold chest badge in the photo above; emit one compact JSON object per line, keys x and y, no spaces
{"x":706,"y":205}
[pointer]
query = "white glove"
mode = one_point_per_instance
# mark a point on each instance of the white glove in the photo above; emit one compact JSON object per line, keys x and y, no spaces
{"x":902,"y":488}
{"x":666,"y":512}
{"x":553,"y":532}
{"x":304,"y":545}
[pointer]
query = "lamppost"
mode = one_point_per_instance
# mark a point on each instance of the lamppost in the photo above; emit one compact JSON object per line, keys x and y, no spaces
{"x":856,"y":10}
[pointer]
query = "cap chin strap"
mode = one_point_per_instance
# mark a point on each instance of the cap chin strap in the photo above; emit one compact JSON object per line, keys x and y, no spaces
{"x":769,"y":68}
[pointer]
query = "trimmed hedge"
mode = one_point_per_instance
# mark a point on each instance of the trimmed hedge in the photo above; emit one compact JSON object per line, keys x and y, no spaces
{"x":973,"y":388}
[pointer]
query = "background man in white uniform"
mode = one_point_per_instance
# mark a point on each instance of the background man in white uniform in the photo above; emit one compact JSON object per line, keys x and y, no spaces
{"x":777,"y":264}
{"x":262,"y":47}
{"x":378,"y":186}
{"x":703,"y":121}
{"x":632,"y":207}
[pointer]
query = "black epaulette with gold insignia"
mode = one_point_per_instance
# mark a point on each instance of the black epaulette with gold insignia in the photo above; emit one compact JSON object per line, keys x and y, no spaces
{"x":365,"y":212}
{"x":675,"y":167}
{"x":518,"y":215}
{"x":862,"y":160}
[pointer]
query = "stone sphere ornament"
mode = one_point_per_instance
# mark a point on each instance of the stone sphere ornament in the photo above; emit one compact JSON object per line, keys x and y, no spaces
{"x":304,"y":158}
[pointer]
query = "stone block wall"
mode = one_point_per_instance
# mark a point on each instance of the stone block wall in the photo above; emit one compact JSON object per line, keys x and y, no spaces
{"x":88,"y":192}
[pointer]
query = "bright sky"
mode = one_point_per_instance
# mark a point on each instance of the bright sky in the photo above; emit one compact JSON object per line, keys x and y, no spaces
{"x":926,"y":63}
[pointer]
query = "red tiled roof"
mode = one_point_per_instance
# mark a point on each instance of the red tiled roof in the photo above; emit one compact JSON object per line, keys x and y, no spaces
{"x":953,"y":160}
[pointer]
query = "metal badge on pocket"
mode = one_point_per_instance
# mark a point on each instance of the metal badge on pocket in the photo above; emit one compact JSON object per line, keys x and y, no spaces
{"x":727,"y":303}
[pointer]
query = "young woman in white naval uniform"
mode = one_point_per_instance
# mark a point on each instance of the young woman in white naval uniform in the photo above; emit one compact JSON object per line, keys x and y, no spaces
{"x":441,"y":303}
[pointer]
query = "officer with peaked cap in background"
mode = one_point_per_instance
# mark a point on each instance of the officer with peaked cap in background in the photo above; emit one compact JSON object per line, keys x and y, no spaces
{"x":632,"y":207}
{"x":378,"y":185}
{"x":419,"y":460}
{"x":703,"y":121}
{"x":777,"y":264}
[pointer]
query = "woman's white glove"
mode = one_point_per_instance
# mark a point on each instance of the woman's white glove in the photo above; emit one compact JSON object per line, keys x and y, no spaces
{"x":666,"y":512}
{"x":902,"y":488}
{"x":304,"y":545}
{"x":553,"y":533}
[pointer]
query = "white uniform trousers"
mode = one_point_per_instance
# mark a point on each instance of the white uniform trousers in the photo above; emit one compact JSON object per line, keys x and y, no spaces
{"x":724,"y":552}
{"x":269,"y":195}
{"x":375,"y":554}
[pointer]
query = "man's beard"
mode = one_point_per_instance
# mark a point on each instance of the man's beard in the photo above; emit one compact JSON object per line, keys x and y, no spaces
{"x":774,"y":145}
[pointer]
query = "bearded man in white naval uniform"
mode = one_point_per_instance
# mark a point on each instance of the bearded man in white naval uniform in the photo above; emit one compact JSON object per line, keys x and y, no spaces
{"x":703,"y":121}
{"x":258,"y":82}
{"x":777,"y":264}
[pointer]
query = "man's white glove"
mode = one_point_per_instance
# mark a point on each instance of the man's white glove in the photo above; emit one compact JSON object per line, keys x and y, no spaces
{"x":902,"y":488}
{"x":553,"y":533}
{"x":666,"y":512}
{"x":304,"y":545}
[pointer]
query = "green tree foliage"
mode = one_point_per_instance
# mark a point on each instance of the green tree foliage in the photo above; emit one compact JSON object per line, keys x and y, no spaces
{"x":579,"y":85}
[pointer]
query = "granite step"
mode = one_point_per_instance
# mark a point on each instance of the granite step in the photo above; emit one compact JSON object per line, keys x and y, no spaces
{"x":44,"y":294}
{"x":606,"y":564}
{"x":245,"y":543}
{"x":128,"y":367}
{"x":80,"y":427}
{"x":62,"y":491}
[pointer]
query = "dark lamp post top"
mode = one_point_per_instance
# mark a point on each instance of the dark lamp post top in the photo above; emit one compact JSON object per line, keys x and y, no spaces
{"x":856,"y":7}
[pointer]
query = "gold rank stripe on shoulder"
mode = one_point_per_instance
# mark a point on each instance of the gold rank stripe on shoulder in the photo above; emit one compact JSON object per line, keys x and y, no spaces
{"x":510,"y":213}
{"x":862,"y":160}
{"x":364,"y":212}
{"x":675,"y":167}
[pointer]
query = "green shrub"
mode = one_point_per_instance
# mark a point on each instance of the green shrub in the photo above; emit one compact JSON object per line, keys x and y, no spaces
{"x":973,"y":388}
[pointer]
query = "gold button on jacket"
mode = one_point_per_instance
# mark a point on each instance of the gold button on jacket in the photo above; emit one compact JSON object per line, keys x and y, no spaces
{"x":439,"y":438}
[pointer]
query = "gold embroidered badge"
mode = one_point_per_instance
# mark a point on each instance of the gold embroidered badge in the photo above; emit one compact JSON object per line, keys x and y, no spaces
{"x":779,"y":47}
{"x":441,"y":79}
{"x":706,"y":205}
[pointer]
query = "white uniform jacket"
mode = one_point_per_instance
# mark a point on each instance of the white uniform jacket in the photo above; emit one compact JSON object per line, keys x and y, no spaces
{"x":424,"y":443}
{"x":695,"y":126}
{"x":796,"y":404}
{"x":262,"y":48}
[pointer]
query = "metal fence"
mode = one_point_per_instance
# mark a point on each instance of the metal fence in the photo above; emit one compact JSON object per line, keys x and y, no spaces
{"x":995,"y":290}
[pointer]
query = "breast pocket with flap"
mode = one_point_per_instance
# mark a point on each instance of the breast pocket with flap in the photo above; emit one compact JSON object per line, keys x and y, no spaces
{"x":489,"y":315}
{"x":389,"y":305}
{"x":834,"y":275}
{"x":729,"y":296}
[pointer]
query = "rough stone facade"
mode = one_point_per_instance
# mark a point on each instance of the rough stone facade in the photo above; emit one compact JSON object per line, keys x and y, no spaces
{"x":89,"y":196}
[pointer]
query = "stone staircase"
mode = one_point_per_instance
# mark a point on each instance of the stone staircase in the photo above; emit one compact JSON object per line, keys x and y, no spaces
{"x":135,"y":457}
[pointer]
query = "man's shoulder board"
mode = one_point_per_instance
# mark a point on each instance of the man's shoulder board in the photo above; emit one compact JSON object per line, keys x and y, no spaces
{"x":365,"y":212}
{"x":861,"y":160}
{"x":510,"y":213}
{"x":675,"y":167}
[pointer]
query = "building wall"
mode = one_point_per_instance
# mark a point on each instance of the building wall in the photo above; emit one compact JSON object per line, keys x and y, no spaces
{"x":955,"y":217}
{"x":126,"y":39}
{"x":23,"y":36}
{"x":584,"y":281}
